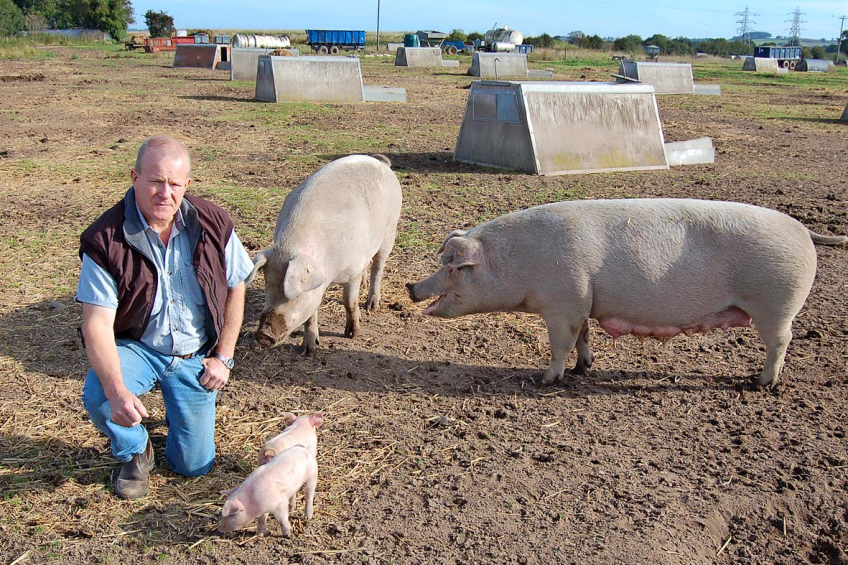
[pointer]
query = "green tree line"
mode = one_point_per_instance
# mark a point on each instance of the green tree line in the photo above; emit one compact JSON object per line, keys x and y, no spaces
{"x":111,"y":16}
{"x":680,"y":46}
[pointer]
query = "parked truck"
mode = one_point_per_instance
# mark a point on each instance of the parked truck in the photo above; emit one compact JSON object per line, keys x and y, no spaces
{"x":787,"y":57}
{"x":332,"y":41}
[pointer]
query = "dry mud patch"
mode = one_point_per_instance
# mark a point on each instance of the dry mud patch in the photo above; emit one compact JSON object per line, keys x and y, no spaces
{"x":440,"y":446}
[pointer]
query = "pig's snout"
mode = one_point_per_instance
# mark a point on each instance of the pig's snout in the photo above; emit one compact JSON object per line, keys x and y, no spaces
{"x":410,"y":287}
{"x":264,"y":339}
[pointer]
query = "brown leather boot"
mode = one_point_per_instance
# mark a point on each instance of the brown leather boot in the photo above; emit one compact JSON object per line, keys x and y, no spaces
{"x":132,"y":482}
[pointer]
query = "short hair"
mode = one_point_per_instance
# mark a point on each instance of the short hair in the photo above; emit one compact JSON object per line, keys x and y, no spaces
{"x":166,"y":144}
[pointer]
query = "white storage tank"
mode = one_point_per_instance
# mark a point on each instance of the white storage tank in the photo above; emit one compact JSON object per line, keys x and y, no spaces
{"x":503,"y":35}
{"x":261,"y":41}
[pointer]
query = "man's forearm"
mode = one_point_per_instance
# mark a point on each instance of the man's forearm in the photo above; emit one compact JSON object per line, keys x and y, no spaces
{"x":233,"y":317}
{"x":102,"y":353}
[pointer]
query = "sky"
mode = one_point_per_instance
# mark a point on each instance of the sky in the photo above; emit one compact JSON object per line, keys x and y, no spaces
{"x":607,"y":18}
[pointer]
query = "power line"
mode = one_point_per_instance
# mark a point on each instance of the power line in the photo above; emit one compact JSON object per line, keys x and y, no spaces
{"x":839,"y":40}
{"x":744,"y":29}
{"x":795,"y":26}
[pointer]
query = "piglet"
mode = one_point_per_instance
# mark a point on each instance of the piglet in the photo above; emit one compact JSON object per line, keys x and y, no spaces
{"x":299,"y":431}
{"x":271,"y":488}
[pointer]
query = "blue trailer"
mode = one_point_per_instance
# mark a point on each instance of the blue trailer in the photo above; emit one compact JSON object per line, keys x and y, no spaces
{"x":787,"y":57}
{"x":334,"y":40}
{"x":454,"y":47}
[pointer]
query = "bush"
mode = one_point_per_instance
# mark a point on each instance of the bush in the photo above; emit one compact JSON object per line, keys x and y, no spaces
{"x":457,"y":35}
{"x":475,"y":36}
{"x":818,"y":52}
{"x":160,"y":24}
{"x":11,"y":18}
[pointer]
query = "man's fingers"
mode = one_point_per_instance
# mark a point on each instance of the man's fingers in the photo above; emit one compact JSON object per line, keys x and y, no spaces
{"x":139,"y":407}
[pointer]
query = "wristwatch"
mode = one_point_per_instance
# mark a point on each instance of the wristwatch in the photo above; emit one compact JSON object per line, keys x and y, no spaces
{"x":228,"y":362}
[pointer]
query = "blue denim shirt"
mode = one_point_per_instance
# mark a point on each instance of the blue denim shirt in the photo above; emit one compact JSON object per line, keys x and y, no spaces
{"x":176,"y":325}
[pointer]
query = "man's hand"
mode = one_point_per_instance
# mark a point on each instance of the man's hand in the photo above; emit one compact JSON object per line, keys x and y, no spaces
{"x":215,"y":374}
{"x":127,"y":409}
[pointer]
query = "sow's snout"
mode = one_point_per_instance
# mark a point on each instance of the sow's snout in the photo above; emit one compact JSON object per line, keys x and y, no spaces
{"x":271,"y":329}
{"x":410,"y":287}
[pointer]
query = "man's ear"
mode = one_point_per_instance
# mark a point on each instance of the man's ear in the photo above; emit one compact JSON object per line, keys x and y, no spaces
{"x":302,"y":275}
{"x":258,"y":262}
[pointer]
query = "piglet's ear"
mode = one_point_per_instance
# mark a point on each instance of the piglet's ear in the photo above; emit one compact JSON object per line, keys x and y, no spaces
{"x":269,"y":454}
{"x":228,"y":492}
{"x":302,"y":275}
{"x":231,"y":507}
{"x":288,"y":418}
{"x":258,"y":262}
{"x":316,"y":419}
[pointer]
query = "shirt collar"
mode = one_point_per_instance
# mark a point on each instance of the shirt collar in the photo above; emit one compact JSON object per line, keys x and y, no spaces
{"x":179,"y":225}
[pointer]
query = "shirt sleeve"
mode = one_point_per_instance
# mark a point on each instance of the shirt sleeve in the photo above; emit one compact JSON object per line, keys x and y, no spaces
{"x":239,"y":264}
{"x":96,"y":286}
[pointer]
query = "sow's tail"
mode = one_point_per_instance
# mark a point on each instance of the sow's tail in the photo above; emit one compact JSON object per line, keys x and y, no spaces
{"x":828,"y":239}
{"x":382,"y":158}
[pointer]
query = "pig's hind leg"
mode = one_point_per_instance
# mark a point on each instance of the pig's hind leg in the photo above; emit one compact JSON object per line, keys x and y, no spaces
{"x":584,"y":350}
{"x":350,"y":297}
{"x":563,"y":334}
{"x":378,"y":262}
{"x":776,"y":335}
{"x":310,"y":334}
{"x":281,"y":513}
{"x":309,"y":494}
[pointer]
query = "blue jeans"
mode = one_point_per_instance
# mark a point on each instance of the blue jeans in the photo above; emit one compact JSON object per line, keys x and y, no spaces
{"x":189,"y":407}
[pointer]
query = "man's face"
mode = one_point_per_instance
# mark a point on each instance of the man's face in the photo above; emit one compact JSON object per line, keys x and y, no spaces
{"x":160,"y":186}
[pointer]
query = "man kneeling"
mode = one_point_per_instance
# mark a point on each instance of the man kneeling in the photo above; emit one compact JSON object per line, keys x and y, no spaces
{"x":163,"y":299}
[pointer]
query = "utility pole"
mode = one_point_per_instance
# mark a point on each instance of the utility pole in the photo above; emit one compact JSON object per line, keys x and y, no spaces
{"x":744,"y":29}
{"x":378,"y":26}
{"x":795,"y":27}
{"x":839,"y":40}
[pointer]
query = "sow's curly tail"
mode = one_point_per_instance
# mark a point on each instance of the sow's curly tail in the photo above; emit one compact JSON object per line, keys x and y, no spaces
{"x":383,"y":158}
{"x":827,"y":239}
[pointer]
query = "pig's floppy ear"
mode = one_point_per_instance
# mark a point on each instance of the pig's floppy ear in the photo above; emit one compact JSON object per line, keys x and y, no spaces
{"x":302,"y":275}
{"x":317,"y":419}
{"x":461,"y":252}
{"x":258,"y":262}
{"x":289,"y":418}
{"x":454,"y":233}
{"x":231,"y":507}
{"x":229,"y":491}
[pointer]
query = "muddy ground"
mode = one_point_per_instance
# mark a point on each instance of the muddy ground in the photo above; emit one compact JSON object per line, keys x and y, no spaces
{"x":440,"y":444}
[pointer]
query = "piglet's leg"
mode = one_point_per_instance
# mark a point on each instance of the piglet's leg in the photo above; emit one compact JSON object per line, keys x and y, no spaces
{"x":293,"y":503}
{"x":310,"y":334}
{"x":262,"y":528}
{"x":281,"y":513}
{"x":309,"y":494}
{"x":562,"y":334}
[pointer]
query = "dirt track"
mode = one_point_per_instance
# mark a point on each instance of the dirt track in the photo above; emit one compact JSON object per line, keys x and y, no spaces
{"x":440,"y":446}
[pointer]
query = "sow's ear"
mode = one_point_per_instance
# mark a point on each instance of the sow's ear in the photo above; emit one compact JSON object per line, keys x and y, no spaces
{"x":258,"y":262}
{"x":451,"y":235}
{"x":461,"y":252}
{"x":301,"y":276}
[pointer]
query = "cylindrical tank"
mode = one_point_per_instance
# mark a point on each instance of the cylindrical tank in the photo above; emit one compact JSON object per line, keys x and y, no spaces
{"x":812,"y":65}
{"x":502,"y":46}
{"x":263,"y":41}
{"x":503,"y":35}
{"x":411,"y":40}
